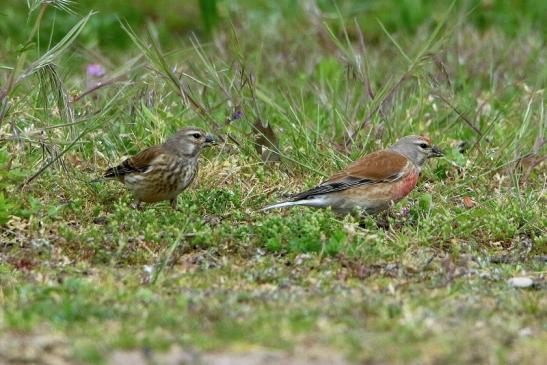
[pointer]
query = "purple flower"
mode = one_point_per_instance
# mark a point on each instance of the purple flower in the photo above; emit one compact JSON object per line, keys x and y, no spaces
{"x":405,"y":211}
{"x":95,"y":70}
{"x":237,"y":115}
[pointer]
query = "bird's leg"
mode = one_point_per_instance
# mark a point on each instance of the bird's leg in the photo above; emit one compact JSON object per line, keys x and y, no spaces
{"x":137,"y":205}
{"x":382,"y":221}
{"x":174,"y":203}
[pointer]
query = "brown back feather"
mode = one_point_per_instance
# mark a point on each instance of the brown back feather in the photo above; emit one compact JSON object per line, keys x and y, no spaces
{"x":138,"y":163}
{"x":377,"y":167}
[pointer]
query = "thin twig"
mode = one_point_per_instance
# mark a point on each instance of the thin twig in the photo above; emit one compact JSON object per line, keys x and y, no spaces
{"x":366,"y":77}
{"x":461,"y":115}
{"x":94,"y":88}
{"x":53,"y":160}
{"x":378,"y":106}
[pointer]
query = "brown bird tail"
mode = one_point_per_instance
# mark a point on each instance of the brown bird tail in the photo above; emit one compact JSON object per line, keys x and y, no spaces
{"x":114,"y":172}
{"x":111,"y":173}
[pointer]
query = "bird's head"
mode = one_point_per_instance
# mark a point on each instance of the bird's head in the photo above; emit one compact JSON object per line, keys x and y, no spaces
{"x":189,"y":141}
{"x":417,"y":148}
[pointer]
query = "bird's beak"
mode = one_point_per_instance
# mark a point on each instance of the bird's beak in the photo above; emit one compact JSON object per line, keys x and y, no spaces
{"x":436,"y":152}
{"x":210,"y":139}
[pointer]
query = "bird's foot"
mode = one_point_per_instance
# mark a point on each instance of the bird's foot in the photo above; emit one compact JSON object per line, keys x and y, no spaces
{"x":137,"y":205}
{"x":382,"y":220}
{"x":383,"y":223}
{"x":174,"y":204}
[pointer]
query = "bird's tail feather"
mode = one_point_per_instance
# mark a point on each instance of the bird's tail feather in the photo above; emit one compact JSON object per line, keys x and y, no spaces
{"x":314,"y":202}
{"x":280,"y":205}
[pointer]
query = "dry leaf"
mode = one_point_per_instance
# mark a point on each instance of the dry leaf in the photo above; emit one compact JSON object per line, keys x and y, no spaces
{"x":266,"y":142}
{"x":468,"y":202}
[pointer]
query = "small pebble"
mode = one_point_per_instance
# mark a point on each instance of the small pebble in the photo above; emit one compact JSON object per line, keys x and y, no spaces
{"x":521,"y":282}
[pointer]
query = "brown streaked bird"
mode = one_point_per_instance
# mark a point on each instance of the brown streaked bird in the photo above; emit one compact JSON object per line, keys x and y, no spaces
{"x":163,"y":171}
{"x":372,"y":183}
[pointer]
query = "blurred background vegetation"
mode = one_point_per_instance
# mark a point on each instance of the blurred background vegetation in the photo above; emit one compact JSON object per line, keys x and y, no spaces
{"x":175,"y":19}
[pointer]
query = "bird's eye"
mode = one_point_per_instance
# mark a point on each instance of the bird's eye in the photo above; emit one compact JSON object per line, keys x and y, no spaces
{"x":423,"y":145}
{"x":196,"y":135}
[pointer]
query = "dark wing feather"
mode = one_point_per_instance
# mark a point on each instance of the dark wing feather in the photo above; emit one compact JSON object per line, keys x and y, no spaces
{"x":377,"y":167}
{"x":136,"y":164}
{"x":330,"y":187}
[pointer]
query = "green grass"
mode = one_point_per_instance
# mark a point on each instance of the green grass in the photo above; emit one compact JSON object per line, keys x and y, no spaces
{"x":79,"y":266}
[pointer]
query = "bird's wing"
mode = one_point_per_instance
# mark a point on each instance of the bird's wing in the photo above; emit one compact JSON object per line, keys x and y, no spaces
{"x":377,"y":167}
{"x":136,"y":164}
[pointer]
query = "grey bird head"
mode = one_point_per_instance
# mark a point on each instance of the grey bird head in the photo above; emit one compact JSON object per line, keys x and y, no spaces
{"x":189,"y":141}
{"x":416,"y":148}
